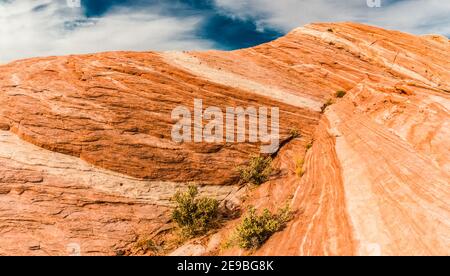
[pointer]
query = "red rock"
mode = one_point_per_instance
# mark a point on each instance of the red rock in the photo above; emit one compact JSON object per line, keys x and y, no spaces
{"x":103,"y":165}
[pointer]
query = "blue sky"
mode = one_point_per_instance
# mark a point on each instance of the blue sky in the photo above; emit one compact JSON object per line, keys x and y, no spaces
{"x":223,"y":29}
{"x":52,"y":27}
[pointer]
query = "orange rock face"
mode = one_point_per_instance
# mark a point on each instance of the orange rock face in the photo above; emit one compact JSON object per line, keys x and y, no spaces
{"x":88,"y":159}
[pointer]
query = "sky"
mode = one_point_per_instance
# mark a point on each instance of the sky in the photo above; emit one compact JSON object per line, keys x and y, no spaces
{"x":30,"y":28}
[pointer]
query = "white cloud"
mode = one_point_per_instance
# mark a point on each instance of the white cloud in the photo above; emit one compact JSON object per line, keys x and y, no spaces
{"x":415,"y":16}
{"x":31,"y":28}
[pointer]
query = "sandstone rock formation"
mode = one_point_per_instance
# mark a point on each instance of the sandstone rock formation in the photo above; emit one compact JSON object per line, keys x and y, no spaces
{"x":87,"y":155}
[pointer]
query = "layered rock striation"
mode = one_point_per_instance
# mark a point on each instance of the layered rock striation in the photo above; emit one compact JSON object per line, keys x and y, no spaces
{"x":87,"y":155}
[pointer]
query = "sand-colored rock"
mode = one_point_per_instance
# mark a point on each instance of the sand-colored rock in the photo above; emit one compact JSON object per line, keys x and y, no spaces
{"x":87,"y":156}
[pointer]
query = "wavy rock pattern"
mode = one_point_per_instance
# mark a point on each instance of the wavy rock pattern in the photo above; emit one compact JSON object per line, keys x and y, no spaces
{"x":95,"y":163}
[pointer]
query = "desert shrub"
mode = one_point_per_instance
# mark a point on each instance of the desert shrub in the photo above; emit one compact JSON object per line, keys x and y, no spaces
{"x":146,"y":244}
{"x":299,"y":167}
{"x":194,"y":215}
{"x":255,"y":229}
{"x":294,"y":133}
{"x":257,"y":171}
{"x":340,"y":94}
{"x":327,"y":104}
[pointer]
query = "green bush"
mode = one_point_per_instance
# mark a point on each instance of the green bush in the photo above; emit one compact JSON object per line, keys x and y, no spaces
{"x":257,"y":171}
{"x":340,"y":94}
{"x":195,"y":216}
{"x":256,"y":229}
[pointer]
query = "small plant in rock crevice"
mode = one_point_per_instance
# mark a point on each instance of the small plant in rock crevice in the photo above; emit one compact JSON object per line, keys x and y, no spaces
{"x":294,"y":133}
{"x":299,"y":167}
{"x":257,"y":171}
{"x":326,"y":105}
{"x":340,"y":94}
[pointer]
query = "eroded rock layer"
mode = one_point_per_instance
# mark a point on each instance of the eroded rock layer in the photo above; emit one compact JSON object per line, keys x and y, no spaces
{"x":88,"y":158}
